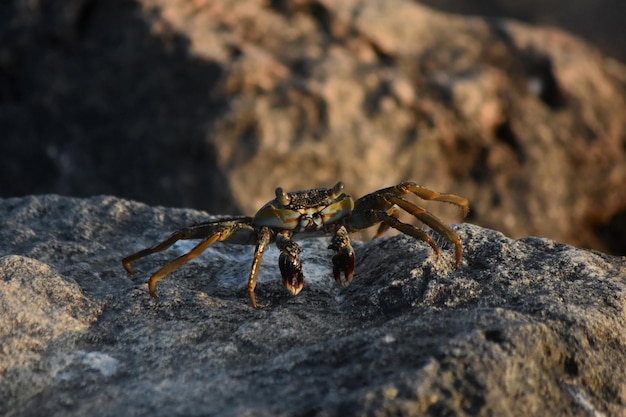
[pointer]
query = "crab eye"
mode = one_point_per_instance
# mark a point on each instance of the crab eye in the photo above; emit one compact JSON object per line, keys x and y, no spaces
{"x":282,"y":197}
{"x":336,"y":190}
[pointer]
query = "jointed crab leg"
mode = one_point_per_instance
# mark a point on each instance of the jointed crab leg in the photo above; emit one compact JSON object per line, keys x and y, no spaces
{"x":236,"y":229}
{"x":127,"y":261}
{"x":409,"y":229}
{"x":426,"y":194}
{"x":264,"y":237}
{"x":383,"y":226}
{"x":198,"y":231}
{"x":434,"y":223}
{"x":176,"y":263}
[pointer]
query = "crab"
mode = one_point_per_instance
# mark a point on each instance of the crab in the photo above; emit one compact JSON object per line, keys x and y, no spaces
{"x":309,"y":213}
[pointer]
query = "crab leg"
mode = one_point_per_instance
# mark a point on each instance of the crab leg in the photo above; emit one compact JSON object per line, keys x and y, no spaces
{"x":176,"y":263}
{"x":409,"y":229}
{"x":434,"y":223}
{"x":383,"y":226}
{"x":426,"y":194}
{"x":127,"y":261}
{"x":236,"y":230}
{"x":199,"y":231}
{"x":264,"y":237}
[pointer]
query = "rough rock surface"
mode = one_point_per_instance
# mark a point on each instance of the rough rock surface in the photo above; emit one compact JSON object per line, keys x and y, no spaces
{"x":599,"y":21}
{"x":522,"y":327}
{"x":212,"y":104}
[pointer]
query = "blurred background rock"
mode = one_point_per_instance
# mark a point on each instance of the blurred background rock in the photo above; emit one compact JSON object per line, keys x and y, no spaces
{"x":212,"y":104}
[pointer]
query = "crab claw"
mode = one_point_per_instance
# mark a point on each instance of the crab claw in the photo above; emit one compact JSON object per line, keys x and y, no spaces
{"x":343,"y":261}
{"x":290,"y":265}
{"x":291,"y":271}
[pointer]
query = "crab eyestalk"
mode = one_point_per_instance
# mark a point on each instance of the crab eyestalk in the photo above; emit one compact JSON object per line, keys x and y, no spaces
{"x":290,"y":265}
{"x":343,"y":261}
{"x":336,"y":190}
{"x":282,"y":197}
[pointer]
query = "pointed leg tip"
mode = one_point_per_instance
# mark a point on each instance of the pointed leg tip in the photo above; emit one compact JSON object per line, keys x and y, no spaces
{"x":253,"y":301}
{"x":128,"y":267}
{"x":458,"y":254}
{"x":152,"y":291}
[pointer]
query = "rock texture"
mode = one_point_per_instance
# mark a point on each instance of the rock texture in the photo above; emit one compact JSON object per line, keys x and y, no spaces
{"x":522,"y":327}
{"x":212,"y":104}
{"x":598,"y":21}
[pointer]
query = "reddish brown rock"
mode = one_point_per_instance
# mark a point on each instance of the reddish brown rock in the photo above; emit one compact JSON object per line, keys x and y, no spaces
{"x":213,"y":104}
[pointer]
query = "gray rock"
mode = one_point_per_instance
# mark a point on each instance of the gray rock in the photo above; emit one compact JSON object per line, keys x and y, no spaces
{"x":522,"y":327}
